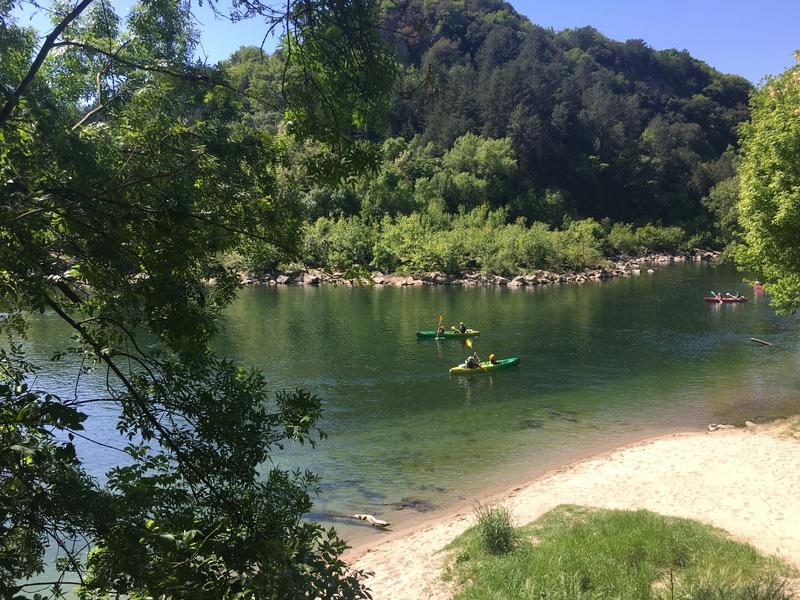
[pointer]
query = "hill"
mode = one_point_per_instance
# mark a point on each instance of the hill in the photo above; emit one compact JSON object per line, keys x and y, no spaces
{"x":615,"y":129}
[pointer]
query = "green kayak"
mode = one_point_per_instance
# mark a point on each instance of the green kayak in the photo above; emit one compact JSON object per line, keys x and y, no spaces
{"x":486,"y":366}
{"x":448,"y":334}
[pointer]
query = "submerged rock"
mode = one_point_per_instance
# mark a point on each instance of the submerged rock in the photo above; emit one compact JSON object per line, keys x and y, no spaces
{"x":416,"y":504}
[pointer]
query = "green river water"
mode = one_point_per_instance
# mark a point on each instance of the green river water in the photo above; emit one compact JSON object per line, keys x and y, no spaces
{"x":601,"y":364}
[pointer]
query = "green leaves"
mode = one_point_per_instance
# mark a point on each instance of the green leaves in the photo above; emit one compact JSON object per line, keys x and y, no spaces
{"x":126,"y":171}
{"x":769,"y":187}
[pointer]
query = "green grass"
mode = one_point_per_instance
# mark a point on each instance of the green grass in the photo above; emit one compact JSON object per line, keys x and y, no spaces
{"x":576,"y":553}
{"x":495,"y":530}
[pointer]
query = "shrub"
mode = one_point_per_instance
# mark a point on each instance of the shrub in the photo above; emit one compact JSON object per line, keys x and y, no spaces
{"x":622,"y":239}
{"x":660,"y":239}
{"x":582,"y":244}
{"x":535,"y":247}
{"x":495,"y":530}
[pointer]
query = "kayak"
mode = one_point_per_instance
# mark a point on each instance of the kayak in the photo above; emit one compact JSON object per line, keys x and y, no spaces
{"x":724,"y":299}
{"x":448,"y":334}
{"x":486,"y":366}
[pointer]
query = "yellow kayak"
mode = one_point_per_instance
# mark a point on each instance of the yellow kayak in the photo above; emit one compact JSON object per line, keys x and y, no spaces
{"x":486,"y":366}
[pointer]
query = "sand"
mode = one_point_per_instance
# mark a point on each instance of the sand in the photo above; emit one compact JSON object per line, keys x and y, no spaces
{"x":746,"y":481}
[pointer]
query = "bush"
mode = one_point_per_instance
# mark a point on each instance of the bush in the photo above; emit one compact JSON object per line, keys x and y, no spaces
{"x":495,"y":530}
{"x":622,"y":239}
{"x":660,"y":239}
{"x":536,"y":247}
{"x":582,"y":244}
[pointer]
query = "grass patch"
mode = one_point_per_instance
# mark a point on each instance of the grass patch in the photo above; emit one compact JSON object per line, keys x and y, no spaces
{"x":495,"y":530}
{"x":577,"y":553}
{"x":794,"y":427}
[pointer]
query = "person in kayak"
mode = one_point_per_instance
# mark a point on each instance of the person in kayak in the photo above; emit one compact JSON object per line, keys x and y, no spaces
{"x":492,"y":359}
{"x":440,"y":331}
{"x":462,"y":328}
{"x":473,"y":362}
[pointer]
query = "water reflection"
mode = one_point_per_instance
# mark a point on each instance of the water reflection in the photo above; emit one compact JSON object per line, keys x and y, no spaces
{"x":599,"y":364}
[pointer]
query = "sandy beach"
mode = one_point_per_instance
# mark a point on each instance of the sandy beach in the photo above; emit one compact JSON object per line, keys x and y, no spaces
{"x":746,"y":481}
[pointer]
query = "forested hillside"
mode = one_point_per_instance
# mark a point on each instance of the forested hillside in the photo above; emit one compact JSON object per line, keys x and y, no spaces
{"x":493,"y":113}
{"x":619,"y":129}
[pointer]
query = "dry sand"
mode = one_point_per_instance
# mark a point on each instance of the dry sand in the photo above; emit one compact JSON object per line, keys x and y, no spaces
{"x":746,"y":481}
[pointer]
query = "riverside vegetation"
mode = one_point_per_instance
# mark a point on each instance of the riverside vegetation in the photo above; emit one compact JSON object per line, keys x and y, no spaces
{"x":464,"y":137}
{"x":510,"y":147}
{"x":580,"y":553}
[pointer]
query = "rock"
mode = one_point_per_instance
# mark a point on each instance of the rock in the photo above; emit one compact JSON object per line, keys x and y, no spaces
{"x":749,"y":424}
{"x":518,"y":281}
{"x":416,"y":504}
{"x":283,"y":279}
{"x":499,"y":280}
{"x":436,"y":277}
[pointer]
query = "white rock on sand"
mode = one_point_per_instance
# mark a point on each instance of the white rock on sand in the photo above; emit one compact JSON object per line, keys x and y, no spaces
{"x":744,"y":481}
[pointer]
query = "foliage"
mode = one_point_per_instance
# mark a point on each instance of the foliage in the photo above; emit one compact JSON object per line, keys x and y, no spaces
{"x":619,"y":129}
{"x":769,"y":188}
{"x":495,"y":530}
{"x":480,"y":239}
{"x":126,"y":171}
{"x":581,"y":553}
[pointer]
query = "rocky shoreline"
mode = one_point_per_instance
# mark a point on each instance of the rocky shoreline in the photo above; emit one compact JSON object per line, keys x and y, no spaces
{"x":620,"y":267}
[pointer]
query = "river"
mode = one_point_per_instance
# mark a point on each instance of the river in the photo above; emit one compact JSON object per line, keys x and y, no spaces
{"x":601,"y":364}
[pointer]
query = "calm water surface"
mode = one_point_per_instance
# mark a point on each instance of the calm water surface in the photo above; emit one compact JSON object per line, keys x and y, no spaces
{"x":600,"y":364}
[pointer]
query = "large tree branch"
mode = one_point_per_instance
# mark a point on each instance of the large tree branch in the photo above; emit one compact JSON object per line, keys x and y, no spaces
{"x":188,"y":75}
{"x":49,"y":44}
{"x":140,"y":401}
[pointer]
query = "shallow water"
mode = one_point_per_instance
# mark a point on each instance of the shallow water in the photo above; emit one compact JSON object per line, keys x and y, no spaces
{"x":600,"y":364}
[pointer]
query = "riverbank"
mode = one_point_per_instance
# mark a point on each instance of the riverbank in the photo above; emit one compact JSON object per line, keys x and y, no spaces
{"x":621,"y":267}
{"x":745,"y":481}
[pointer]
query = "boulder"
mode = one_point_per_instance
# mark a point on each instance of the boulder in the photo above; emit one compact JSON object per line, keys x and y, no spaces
{"x":312,"y":279}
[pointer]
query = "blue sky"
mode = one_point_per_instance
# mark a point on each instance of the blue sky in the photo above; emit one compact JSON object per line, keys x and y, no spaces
{"x":748,"y":38}
{"x":745,"y":37}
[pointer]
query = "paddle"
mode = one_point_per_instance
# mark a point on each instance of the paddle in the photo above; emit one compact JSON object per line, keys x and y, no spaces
{"x":469,"y":343}
{"x":439,"y":326}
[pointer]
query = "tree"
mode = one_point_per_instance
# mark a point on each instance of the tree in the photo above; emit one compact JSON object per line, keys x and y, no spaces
{"x":769,"y":179}
{"x":125,"y":170}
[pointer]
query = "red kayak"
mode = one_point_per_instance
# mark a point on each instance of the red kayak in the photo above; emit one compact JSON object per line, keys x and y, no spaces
{"x":724,"y":299}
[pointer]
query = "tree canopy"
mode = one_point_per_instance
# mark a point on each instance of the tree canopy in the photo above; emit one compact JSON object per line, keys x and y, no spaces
{"x":619,"y":129}
{"x":126,"y":168}
{"x":769,"y":176}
